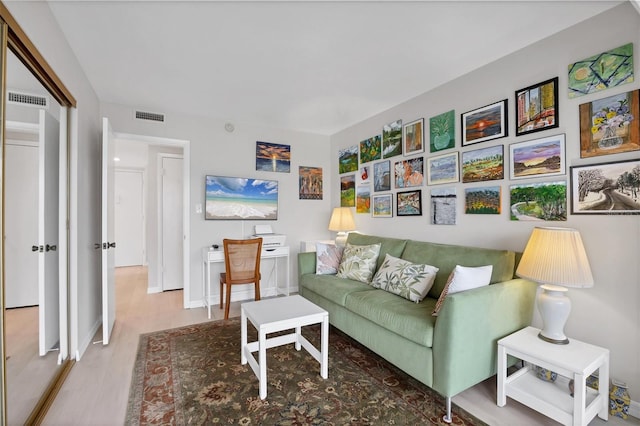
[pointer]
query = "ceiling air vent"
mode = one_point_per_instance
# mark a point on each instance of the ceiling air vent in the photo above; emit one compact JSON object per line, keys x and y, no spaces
{"x":27,"y":99}
{"x":152,"y":116}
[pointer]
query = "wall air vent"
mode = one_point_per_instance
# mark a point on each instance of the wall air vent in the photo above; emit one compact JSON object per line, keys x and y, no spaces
{"x":151,"y":116}
{"x":27,"y":99}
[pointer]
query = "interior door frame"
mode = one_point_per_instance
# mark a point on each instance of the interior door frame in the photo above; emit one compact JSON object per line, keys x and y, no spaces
{"x":13,"y":37}
{"x":160,"y":215}
{"x":186,"y":182}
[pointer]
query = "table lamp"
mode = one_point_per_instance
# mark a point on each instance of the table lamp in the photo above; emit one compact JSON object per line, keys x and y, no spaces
{"x":555,"y":258}
{"x":341,"y":221}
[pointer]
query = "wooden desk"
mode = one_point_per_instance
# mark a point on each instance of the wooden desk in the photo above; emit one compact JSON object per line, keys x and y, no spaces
{"x":210,"y":256}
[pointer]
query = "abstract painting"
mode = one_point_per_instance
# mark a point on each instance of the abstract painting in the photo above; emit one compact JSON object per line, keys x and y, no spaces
{"x":409,"y":172}
{"x":310,"y":183}
{"x":413,"y":137}
{"x":443,"y":206}
{"x":371,"y":149}
{"x":603,"y":71}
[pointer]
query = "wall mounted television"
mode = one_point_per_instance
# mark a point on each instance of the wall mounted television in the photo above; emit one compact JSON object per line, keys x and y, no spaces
{"x":234,"y":198}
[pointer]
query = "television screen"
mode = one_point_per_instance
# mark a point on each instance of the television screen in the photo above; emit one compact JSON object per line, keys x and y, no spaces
{"x":229,"y":198}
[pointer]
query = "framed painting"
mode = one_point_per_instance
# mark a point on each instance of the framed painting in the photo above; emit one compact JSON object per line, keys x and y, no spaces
{"x":603,"y":71}
{"x":310,"y":183}
{"x":537,"y":107}
{"x":413,"y":137}
{"x":485,"y":124}
{"x":483,"y":200}
{"x":442,"y":131}
{"x":409,"y":203}
{"x":606,"y":188}
{"x":443,"y":169}
{"x":371,"y":149}
{"x":348,"y":191}
{"x":348,"y":159}
{"x":409,"y":172}
{"x":273,"y":157}
{"x":237,"y":198}
{"x":363,"y":199}
{"x":610,"y":125}
{"x":538,"y":157}
{"x":392,"y":139}
{"x":443,"y":206}
{"x":483,"y":164}
{"x":381,"y":176}
{"x":365,"y":174}
{"x":539,"y":201}
{"x":382,"y":205}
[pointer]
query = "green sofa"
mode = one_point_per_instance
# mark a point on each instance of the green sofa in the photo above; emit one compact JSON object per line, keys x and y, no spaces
{"x":450,"y":352}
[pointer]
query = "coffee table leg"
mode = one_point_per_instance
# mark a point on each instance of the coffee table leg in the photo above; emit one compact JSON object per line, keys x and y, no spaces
{"x":262,"y":351}
{"x":324,"y":348}
{"x":243,"y":336}
{"x":298,"y":333}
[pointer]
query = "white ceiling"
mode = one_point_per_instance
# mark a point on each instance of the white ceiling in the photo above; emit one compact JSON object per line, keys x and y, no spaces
{"x":312,"y":66}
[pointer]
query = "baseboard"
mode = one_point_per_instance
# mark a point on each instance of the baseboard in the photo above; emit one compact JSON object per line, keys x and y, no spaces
{"x":152,"y":290}
{"x":634,"y":409}
{"x":88,"y":339}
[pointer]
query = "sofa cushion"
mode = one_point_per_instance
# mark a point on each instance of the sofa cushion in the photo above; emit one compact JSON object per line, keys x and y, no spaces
{"x":359,"y":262}
{"x":409,"y":280}
{"x":328,"y":257}
{"x":446,"y":257}
{"x":412,"y":321}
{"x":393,"y":246}
{"x":332,"y":288}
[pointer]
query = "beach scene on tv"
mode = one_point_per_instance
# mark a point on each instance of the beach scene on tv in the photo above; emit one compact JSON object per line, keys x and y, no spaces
{"x":241,"y":198}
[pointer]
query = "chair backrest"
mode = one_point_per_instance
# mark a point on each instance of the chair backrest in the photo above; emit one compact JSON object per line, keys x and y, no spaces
{"x":242,"y":260}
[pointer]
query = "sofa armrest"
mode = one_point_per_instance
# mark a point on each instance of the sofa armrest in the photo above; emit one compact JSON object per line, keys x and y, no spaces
{"x":467,"y":330}
{"x":306,"y":263}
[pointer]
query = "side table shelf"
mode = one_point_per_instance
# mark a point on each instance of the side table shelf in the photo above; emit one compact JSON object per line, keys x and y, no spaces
{"x":576,"y":361}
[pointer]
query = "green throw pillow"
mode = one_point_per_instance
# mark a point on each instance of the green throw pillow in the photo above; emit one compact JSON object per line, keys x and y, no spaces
{"x":359,"y":262}
{"x":409,"y":280}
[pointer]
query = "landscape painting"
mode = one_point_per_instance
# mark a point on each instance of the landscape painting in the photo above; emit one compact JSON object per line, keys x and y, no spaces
{"x":539,"y":157}
{"x":539,"y":201}
{"x":483,"y":164}
{"x":233,"y":198}
{"x":602,"y":71}
{"x":485,"y":123}
{"x":273,"y":157}
{"x":409,"y":173}
{"x":371,"y":149}
{"x":483,"y":200}
{"x":382,"y":206}
{"x":310,"y":183}
{"x":442,"y":131}
{"x":443,"y":206}
{"x":348,"y":191}
{"x":608,"y":188}
{"x":392,"y":139}
{"x":363,"y":199}
{"x":442,"y":169}
{"x":348,"y":159}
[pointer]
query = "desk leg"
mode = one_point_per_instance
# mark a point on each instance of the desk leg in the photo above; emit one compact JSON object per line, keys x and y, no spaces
{"x":579,"y":399}
{"x":262,"y":351}
{"x":288,"y":273}
{"x":208,"y":292}
{"x":243,"y":336}
{"x":324,"y":347}
{"x":502,"y":375}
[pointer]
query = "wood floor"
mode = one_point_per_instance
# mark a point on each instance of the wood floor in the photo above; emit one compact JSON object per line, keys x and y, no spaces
{"x":97,"y":389}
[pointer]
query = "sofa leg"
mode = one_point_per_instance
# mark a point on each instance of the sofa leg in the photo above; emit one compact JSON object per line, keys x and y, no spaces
{"x":447,"y":417}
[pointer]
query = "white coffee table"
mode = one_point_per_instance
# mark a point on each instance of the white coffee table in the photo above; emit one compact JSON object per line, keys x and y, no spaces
{"x":279,"y":314}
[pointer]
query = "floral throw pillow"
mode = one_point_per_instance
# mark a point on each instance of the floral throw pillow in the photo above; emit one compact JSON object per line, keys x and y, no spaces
{"x":328,"y":257}
{"x":409,"y":280}
{"x":359,"y":262}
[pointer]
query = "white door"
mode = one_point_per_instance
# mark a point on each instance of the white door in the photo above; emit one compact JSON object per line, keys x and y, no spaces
{"x":129,"y":217}
{"x":48,"y":209}
{"x":108,"y":243}
{"x":21,"y":223}
{"x":171,"y":223}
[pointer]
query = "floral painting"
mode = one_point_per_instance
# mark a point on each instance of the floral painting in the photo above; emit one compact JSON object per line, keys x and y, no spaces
{"x":371,"y":149}
{"x":610,"y":125}
{"x":603,"y":71}
{"x":442,"y":132}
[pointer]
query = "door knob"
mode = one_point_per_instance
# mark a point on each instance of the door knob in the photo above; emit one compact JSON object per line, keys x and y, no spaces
{"x":112,"y":245}
{"x":36,"y":248}
{"x":51,"y":247}
{"x":97,"y":246}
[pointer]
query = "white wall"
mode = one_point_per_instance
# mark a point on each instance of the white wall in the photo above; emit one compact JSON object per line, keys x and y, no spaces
{"x":38,"y":23}
{"x":607,"y":315}
{"x":215,"y":151}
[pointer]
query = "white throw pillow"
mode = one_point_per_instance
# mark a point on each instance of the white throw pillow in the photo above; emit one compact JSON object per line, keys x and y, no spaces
{"x":464,"y":278}
{"x":409,"y":280}
{"x":359,"y":262}
{"x":328,"y":257}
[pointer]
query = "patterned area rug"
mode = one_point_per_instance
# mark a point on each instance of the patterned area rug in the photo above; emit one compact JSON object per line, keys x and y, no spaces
{"x":192,"y":375}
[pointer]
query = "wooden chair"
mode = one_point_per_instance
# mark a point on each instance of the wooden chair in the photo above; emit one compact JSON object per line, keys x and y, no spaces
{"x":242,"y":266}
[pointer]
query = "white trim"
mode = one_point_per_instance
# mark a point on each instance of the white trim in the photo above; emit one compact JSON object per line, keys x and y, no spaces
{"x":88,"y":339}
{"x":73,"y":234}
{"x":159,"y":215}
{"x":63,"y":235}
{"x":634,"y":407}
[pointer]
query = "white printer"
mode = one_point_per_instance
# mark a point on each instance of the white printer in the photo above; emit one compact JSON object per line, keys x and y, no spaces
{"x":269,"y":239}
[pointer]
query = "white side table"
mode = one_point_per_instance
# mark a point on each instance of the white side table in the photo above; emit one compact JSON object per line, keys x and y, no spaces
{"x":279,"y":314}
{"x":576,"y":360}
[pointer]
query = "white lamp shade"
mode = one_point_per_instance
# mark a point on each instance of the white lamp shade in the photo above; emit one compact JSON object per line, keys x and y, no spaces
{"x":556,"y":256}
{"x":342,"y":220}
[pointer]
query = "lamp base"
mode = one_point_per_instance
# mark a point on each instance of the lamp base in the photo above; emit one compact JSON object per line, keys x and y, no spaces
{"x":341,"y":239}
{"x":554,"y":307}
